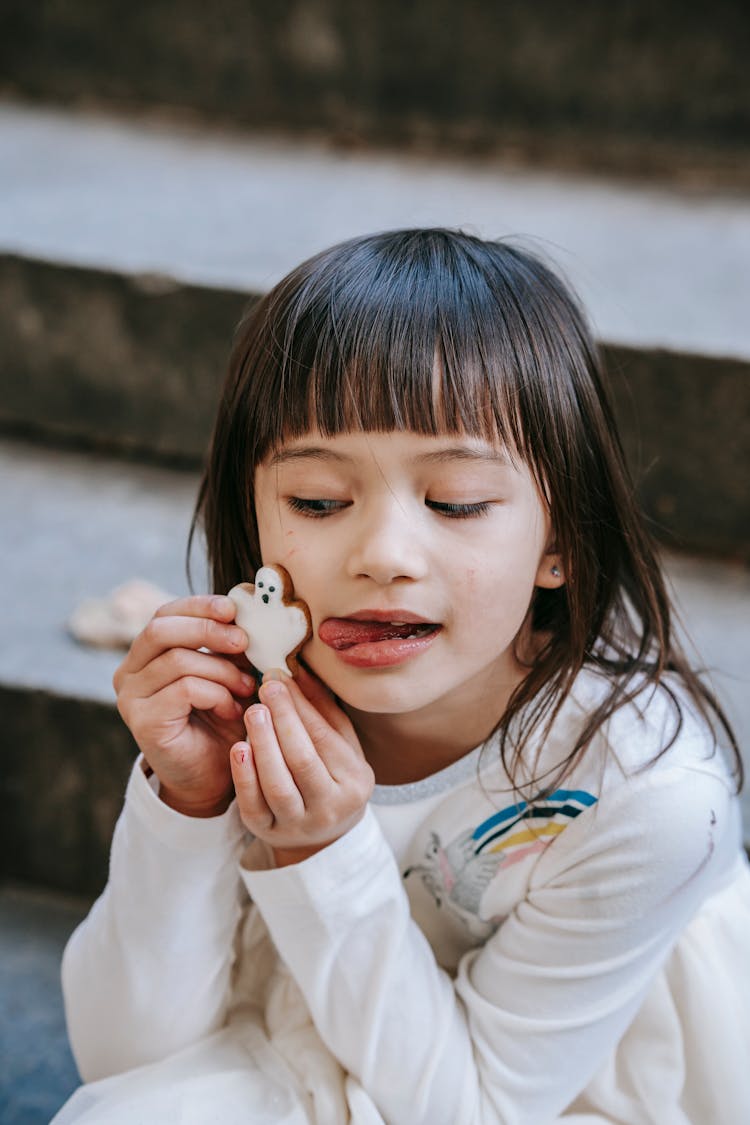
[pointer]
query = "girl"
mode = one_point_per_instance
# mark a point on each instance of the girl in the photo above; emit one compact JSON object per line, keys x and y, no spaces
{"x":481,"y":861}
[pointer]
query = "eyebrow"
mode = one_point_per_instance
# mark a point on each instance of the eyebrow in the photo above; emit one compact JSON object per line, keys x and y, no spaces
{"x":304,"y":452}
{"x":451,"y":454}
{"x":463,"y":453}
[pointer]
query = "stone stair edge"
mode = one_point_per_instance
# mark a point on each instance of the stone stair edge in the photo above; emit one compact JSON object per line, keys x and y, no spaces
{"x":163,"y":286}
{"x":86,"y":752}
{"x":696,"y":170}
{"x":142,"y":361}
{"x":362,"y":73}
{"x":241,"y":212}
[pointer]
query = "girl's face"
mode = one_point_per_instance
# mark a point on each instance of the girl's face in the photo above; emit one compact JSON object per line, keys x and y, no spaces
{"x":418,"y":557}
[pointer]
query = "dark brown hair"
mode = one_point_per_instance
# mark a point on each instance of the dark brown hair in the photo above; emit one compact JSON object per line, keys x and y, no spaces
{"x":436,"y":331}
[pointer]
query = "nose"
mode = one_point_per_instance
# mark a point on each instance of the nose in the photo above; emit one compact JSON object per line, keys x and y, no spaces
{"x":386,"y":544}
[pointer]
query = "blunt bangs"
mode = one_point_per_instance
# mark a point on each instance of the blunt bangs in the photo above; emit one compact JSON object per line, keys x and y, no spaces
{"x":429,"y":331}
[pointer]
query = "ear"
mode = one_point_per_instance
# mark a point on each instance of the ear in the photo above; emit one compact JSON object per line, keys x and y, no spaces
{"x":550,"y":575}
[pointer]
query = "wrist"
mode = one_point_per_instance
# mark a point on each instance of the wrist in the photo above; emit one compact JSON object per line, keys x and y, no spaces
{"x":200,"y":807}
{"x":285,"y":857}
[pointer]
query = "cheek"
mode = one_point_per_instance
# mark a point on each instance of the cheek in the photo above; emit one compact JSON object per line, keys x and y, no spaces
{"x":290,"y":549}
{"x":290,"y":554}
{"x":475,"y":592}
{"x":495,"y":594}
{"x":290,"y":546}
{"x":278,"y":541}
{"x":473,"y":584}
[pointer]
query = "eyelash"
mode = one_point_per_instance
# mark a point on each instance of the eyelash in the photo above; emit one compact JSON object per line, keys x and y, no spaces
{"x":460,"y":511}
{"x":319,"y":509}
{"x":315,"y":509}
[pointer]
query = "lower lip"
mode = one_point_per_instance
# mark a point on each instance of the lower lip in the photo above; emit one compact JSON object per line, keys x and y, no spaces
{"x":384,"y":654}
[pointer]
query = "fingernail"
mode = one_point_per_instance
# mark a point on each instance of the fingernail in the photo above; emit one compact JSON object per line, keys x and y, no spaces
{"x":248,"y":682}
{"x":241,"y":753}
{"x":274,"y":675}
{"x":272,"y":688}
{"x":257,"y":716}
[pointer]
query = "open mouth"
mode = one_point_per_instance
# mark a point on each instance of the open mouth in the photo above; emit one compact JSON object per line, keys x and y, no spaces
{"x":342,"y":633}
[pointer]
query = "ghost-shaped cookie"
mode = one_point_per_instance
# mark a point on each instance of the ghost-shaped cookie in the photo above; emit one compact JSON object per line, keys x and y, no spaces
{"x":276,"y":624}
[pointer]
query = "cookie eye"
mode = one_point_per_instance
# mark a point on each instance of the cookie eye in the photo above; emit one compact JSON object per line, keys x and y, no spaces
{"x":260,"y":585}
{"x":272,"y":589}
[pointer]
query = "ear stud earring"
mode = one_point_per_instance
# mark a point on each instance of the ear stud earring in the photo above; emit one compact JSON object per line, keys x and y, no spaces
{"x":555,"y":571}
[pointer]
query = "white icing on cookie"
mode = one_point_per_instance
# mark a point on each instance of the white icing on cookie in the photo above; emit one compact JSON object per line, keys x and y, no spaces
{"x":275,"y":625}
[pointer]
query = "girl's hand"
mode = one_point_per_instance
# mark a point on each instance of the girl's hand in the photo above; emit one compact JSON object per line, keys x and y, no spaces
{"x":180,"y":702}
{"x":301,"y":778}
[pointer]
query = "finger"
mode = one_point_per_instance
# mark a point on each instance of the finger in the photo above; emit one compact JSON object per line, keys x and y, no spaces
{"x":254,"y":810}
{"x":241,"y":661}
{"x":335,"y":751}
{"x":163,"y":633}
{"x":309,"y":772}
{"x":175,"y":702}
{"x":274,"y":776}
{"x":217,"y":606}
{"x":178,"y":662}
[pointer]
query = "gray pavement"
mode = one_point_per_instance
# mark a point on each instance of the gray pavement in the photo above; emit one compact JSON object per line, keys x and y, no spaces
{"x":655,"y":267}
{"x":38,"y":1072}
{"x":77,"y":525}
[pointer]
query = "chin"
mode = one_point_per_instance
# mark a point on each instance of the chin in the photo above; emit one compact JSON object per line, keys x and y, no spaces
{"x":381,"y":697}
{"x":379,"y":707}
{"x":395,"y":690}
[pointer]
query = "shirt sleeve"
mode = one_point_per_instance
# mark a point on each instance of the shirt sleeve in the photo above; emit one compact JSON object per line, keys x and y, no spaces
{"x":535,"y":1011}
{"x":163,"y":929}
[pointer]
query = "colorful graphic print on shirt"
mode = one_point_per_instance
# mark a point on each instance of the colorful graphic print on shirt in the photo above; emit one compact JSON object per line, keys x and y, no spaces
{"x":458,"y":873}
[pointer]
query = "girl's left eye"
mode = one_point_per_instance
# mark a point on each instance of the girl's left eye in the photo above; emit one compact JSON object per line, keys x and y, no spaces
{"x":459,"y":511}
{"x":316,"y":509}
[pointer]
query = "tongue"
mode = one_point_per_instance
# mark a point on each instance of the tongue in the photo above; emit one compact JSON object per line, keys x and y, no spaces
{"x":341,"y":632}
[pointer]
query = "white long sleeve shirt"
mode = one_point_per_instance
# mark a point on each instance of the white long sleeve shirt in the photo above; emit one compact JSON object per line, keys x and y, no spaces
{"x":458,"y":957}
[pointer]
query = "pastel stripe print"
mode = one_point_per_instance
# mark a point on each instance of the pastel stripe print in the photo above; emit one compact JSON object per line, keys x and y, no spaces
{"x":502,"y":831}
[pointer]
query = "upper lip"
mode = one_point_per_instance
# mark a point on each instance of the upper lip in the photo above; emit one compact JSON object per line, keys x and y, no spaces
{"x":390,"y":616}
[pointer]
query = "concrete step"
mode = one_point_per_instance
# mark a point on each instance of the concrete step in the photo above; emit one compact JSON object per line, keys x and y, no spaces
{"x":211,"y":209}
{"x":586,"y":86}
{"x":38,"y":1071}
{"x":127,"y":253}
{"x":79,"y":525}
{"x":73,"y":527}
